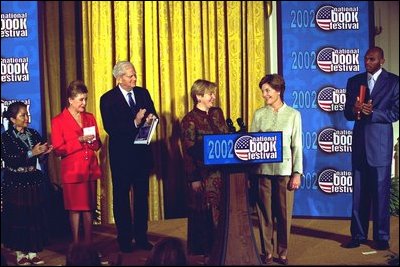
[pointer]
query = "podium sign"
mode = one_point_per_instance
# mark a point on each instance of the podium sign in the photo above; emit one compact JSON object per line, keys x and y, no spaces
{"x":226,"y":149}
{"x":234,"y":241}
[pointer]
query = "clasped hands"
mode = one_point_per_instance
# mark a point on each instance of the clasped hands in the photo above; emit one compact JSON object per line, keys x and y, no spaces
{"x":365,"y":108}
{"x":41,"y":149}
{"x":140,"y":115}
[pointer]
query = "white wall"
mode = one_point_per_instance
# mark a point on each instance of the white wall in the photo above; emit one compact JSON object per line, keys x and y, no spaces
{"x":387,"y":17}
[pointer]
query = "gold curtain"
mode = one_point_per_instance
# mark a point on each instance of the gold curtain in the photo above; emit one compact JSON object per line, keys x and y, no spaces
{"x":172,"y":44}
{"x":60,"y":63}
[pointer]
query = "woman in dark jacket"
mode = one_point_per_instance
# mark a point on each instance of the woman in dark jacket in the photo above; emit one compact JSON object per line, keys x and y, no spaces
{"x":23,"y":187}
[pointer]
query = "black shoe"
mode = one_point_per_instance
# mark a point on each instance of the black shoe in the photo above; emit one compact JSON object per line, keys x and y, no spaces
{"x":354,"y":243}
{"x":144,"y":245}
{"x":283,"y":261}
{"x":126,"y":248}
{"x":382,"y":245}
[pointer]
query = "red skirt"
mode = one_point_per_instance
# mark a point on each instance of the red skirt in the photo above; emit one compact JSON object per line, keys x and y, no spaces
{"x":80,"y":196}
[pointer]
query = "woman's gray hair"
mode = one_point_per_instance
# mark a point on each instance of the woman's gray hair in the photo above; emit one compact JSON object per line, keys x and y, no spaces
{"x":120,"y":67}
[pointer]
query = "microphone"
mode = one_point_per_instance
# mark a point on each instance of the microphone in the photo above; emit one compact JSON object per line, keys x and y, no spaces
{"x":242,"y":126}
{"x":231,"y":128}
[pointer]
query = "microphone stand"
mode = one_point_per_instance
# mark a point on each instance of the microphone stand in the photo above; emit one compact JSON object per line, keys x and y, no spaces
{"x":242,"y":126}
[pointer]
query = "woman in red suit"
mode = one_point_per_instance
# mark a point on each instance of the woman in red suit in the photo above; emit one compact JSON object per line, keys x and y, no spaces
{"x":75,"y":138}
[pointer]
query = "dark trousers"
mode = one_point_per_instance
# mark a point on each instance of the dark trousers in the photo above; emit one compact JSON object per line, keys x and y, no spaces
{"x":123,"y":183}
{"x":371,"y":186}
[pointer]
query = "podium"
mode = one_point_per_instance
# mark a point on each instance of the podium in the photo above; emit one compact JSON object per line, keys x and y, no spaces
{"x":234,"y":242}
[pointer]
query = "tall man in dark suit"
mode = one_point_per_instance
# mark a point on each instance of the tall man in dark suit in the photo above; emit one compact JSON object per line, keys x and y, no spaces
{"x":124,"y":109}
{"x":372,"y":148}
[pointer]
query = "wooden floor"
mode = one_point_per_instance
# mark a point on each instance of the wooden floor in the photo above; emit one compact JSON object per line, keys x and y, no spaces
{"x":313,"y":242}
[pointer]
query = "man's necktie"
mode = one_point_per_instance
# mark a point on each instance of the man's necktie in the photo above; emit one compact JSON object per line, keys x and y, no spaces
{"x":131,"y":102}
{"x":371,"y":83}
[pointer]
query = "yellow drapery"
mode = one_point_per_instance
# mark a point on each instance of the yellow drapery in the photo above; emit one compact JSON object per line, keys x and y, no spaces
{"x":60,"y":63}
{"x":172,"y":44}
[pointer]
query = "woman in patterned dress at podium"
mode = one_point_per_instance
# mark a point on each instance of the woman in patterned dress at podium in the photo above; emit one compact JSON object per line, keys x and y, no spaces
{"x":205,"y":184}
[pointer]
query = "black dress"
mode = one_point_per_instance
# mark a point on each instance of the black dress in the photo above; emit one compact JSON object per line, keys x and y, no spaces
{"x":24,"y":190}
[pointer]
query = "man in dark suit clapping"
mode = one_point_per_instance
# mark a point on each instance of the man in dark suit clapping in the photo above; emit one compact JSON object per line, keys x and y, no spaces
{"x":124,"y":109}
{"x":372,"y":147}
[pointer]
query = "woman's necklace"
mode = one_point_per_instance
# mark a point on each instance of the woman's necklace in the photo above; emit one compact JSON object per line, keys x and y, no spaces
{"x":24,"y":137}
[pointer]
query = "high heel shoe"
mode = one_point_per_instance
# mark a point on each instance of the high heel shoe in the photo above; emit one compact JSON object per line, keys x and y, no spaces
{"x":269,"y":259}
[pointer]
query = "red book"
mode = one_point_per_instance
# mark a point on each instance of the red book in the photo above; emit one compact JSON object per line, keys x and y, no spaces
{"x":361,"y":95}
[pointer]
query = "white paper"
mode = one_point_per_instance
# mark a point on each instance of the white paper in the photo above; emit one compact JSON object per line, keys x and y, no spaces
{"x":90,"y":131}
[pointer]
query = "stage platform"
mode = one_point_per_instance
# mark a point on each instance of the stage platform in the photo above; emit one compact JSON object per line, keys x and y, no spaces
{"x":313,"y":242}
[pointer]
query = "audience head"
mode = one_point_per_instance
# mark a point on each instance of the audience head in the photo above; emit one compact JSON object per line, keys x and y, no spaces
{"x":82,"y":255}
{"x":168,"y":251}
{"x":3,"y":260}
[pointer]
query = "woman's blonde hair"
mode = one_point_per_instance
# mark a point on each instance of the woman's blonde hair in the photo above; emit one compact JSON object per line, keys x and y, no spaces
{"x":201,"y":87}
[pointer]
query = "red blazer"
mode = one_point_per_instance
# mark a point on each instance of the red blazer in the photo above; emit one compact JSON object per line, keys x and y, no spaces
{"x":78,"y":160}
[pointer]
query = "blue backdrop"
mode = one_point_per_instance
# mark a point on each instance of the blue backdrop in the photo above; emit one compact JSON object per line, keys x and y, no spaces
{"x":323,"y":44}
{"x":20,"y":60}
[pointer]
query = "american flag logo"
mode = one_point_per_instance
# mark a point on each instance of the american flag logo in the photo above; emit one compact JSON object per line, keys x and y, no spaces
{"x":325,"y":97}
{"x":325,"y":180}
{"x":324,"y":59}
{"x":242,"y":147}
{"x":325,"y":139}
{"x":323,"y":17}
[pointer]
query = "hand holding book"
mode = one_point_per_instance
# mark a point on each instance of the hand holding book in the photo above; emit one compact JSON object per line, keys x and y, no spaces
{"x":360,"y":106}
{"x":150,"y":119}
{"x":147,"y":130}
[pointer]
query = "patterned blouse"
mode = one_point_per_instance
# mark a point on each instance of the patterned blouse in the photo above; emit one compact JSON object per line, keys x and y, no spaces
{"x":193,"y":126}
{"x":20,"y":168}
{"x":15,"y":147}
